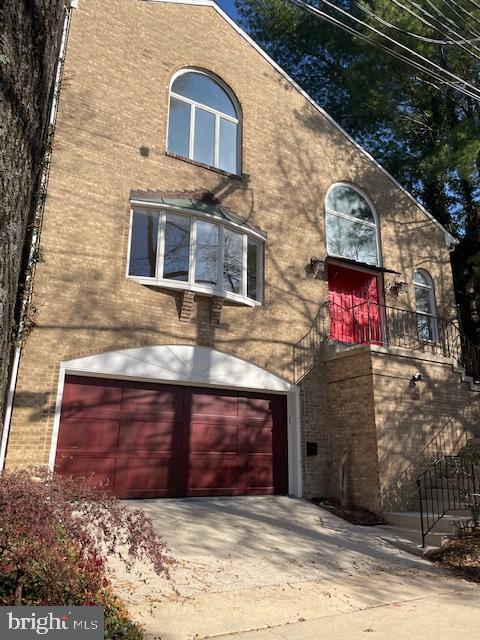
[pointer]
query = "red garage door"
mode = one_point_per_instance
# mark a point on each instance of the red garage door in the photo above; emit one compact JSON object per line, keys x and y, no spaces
{"x":151,"y":440}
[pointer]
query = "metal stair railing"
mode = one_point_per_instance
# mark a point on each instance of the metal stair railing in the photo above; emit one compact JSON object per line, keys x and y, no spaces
{"x":443,"y":487}
{"x":373,"y":323}
{"x":449,"y":440}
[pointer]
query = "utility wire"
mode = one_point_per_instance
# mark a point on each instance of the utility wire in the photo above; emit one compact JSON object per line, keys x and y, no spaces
{"x":389,"y":25}
{"x":442,"y":26}
{"x":449,"y":20}
{"x":424,"y":60}
{"x":469,"y":15}
{"x":475,"y":94}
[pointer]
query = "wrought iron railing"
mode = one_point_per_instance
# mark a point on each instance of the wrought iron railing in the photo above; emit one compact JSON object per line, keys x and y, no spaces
{"x":372,"y":323}
{"x":306,"y":351}
{"x":449,"y":440}
{"x":451,"y":483}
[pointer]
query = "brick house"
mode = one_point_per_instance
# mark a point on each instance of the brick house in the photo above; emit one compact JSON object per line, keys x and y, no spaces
{"x":235,"y":297}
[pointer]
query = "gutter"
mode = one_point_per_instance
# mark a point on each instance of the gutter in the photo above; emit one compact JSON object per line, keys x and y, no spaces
{"x":35,"y":240}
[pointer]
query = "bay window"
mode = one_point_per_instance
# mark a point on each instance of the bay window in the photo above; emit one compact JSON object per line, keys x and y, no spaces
{"x":196,"y":251}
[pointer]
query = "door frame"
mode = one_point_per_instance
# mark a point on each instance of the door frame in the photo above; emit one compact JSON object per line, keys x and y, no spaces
{"x":190,"y":366}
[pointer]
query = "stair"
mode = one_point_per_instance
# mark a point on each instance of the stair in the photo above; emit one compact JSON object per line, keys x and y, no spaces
{"x":404,"y":530}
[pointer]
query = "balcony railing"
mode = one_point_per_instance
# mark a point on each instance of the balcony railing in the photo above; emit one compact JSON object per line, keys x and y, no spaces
{"x":371,"y":323}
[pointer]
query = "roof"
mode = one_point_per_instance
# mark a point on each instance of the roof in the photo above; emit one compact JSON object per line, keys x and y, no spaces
{"x":450,"y":240}
{"x":200,"y":200}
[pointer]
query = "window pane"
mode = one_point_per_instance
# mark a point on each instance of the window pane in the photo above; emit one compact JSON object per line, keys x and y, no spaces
{"x":179,"y":127}
{"x":425,"y":328}
{"x":347,"y":200}
{"x":143,"y":245}
{"x":419,"y":278}
{"x":252,"y":262}
{"x":227,"y":157}
{"x":206,"y":255}
{"x":201,"y":88}
{"x":352,"y":240}
{"x":204,"y":142}
{"x":232,"y":261}
{"x":177,"y":247}
{"x":423,"y":300}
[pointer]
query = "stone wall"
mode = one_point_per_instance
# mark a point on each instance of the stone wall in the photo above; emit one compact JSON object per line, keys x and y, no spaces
{"x":30,"y":35}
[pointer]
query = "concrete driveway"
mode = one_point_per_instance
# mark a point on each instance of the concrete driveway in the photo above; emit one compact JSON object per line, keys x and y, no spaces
{"x":266,"y":567}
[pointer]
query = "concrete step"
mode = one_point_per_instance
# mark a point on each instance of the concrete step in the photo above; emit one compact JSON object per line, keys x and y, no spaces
{"x":411,"y":520}
{"x":411,"y":539}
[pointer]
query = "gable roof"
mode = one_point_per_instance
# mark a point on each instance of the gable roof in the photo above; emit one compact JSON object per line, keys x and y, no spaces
{"x":450,"y":240}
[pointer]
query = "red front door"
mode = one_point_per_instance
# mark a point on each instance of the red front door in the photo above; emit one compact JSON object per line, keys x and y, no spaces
{"x":153,"y":440}
{"x":354,"y":310}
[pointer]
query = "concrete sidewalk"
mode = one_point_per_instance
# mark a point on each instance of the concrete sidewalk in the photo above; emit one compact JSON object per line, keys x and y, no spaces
{"x":253,"y":567}
{"x":442,"y":617}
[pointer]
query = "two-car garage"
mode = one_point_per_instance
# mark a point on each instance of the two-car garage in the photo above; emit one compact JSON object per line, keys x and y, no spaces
{"x":150,"y":439}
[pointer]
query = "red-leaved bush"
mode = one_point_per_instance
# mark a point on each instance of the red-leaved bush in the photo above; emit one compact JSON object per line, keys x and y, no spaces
{"x":55,"y":535}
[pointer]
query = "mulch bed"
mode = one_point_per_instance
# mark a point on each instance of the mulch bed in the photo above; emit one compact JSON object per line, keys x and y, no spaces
{"x":352,"y":515}
{"x":461,"y":555}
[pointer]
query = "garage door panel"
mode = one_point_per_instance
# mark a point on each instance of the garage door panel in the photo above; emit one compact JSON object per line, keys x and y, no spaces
{"x":152,"y":475}
{"x":258,"y":471}
{"x":99,"y":470}
{"x":154,"y":399}
{"x":258,"y":438}
{"x":258,"y":408}
{"x":213,"y":404}
{"x":88,"y":434}
{"x":202,"y":436}
{"x":151,"y":440}
{"x":84,"y":398}
{"x":149,"y":435}
{"x":212,"y":471}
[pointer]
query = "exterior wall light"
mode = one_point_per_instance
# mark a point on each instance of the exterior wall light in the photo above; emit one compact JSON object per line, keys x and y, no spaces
{"x":316,"y":267}
{"x":396,"y":287}
{"x":417,"y":377}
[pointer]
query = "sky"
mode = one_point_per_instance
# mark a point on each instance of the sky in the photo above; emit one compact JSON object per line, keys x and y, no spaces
{"x":229,"y":7}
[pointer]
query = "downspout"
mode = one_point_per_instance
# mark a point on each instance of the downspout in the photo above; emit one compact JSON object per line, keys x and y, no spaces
{"x":35,"y":240}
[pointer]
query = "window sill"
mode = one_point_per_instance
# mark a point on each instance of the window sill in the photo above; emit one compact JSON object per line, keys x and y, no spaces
{"x":196,"y":288}
{"x":196,"y":163}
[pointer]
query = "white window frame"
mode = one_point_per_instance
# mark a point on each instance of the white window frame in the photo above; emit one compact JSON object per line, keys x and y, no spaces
{"x":195,"y":216}
{"x":218,"y":115}
{"x":339,"y":214}
{"x":433,"y":306}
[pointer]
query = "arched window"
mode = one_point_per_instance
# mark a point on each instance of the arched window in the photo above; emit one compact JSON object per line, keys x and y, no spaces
{"x":351,"y":226}
{"x":425,"y":306}
{"x":203,"y":122}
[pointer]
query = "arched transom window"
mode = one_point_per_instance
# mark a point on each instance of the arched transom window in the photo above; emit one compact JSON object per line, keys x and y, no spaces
{"x":425,"y":306}
{"x":351,"y":226}
{"x":203,"y":122}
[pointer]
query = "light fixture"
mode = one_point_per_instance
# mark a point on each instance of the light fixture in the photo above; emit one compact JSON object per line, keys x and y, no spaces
{"x":396,"y":287}
{"x":316,"y":267}
{"x":417,"y":377}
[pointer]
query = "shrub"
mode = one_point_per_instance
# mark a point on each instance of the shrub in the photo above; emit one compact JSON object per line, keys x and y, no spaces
{"x":55,"y":535}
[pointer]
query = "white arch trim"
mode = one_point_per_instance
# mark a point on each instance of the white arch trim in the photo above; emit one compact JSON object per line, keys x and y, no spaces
{"x":189,"y":365}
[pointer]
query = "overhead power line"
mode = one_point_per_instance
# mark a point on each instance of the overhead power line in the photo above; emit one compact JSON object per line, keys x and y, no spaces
{"x":421,"y":63}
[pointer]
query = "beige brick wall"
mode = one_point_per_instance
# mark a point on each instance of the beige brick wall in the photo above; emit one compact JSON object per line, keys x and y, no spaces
{"x":378,"y":423}
{"x":408,"y":417}
{"x":314,"y":419}
{"x":121,"y":56}
{"x":353,"y":472}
